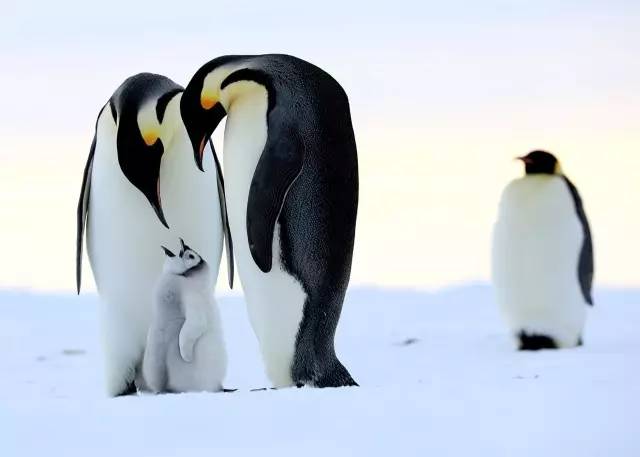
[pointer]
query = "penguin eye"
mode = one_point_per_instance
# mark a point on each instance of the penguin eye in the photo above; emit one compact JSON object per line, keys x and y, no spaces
{"x":191,"y":256}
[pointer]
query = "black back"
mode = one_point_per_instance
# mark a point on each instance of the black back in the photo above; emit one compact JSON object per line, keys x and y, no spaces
{"x":585,"y":262}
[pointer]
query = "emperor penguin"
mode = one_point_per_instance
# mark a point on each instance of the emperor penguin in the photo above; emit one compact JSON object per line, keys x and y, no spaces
{"x":291,"y":171}
{"x":543,"y":257}
{"x":141,"y":156}
{"x":185,"y":346}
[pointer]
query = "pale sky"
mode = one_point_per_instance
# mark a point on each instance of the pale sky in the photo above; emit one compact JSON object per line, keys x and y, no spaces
{"x":443,"y":96}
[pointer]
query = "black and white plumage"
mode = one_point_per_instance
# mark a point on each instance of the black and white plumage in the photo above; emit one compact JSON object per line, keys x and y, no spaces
{"x":292,"y":193}
{"x":185,"y":349}
{"x":141,"y":156}
{"x":543,"y":257}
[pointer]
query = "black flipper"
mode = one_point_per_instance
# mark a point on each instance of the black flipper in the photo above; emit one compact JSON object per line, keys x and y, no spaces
{"x":225,"y":218}
{"x":83,"y":206}
{"x":585,"y":263}
{"x":277,"y":169}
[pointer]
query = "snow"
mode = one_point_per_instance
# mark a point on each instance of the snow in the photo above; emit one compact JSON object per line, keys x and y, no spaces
{"x":438,"y":374}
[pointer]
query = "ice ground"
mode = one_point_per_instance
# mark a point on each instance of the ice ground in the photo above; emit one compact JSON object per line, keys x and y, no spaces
{"x":458,"y":390}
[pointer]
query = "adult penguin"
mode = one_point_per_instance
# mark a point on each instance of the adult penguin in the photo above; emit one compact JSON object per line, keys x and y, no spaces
{"x":292,"y":194}
{"x":543,"y":257}
{"x":140,"y":156}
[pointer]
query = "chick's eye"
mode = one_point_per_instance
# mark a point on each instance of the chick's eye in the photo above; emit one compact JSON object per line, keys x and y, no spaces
{"x":191,"y":256}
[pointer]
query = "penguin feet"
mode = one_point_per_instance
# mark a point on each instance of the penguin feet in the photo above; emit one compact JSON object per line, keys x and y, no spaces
{"x":304,"y":373}
{"x":124,"y":383}
{"x":338,"y":376}
{"x":535,"y":342}
{"x":129,"y":389}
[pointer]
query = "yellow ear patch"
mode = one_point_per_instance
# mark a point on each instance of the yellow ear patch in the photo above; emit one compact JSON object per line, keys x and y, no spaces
{"x":558,"y":168}
{"x":150,"y":137}
{"x":208,"y":99}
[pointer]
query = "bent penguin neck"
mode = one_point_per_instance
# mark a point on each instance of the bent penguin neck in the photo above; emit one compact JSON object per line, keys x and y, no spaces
{"x":171,"y":122}
{"x":244,"y":140}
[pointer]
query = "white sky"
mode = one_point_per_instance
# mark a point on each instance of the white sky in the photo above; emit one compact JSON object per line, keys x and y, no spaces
{"x":442,"y":98}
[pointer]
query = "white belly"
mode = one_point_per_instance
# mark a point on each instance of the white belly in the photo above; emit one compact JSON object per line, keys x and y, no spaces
{"x":536,"y":246}
{"x":124,"y":237}
{"x":275,"y":300}
{"x":206,"y":372}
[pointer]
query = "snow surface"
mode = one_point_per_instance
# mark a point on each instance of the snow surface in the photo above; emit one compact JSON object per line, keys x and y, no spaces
{"x":438,"y":374}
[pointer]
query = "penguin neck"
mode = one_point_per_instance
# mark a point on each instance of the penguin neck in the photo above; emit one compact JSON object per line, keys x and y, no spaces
{"x":171,"y":121}
{"x":237,"y":94}
{"x":172,"y":113}
{"x":245,"y":137}
{"x":542,"y":176}
{"x":246,"y":104}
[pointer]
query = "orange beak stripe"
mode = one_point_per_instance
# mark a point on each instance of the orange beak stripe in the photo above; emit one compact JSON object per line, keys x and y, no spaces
{"x":202,"y":145}
{"x":208,"y":102}
{"x":150,"y":138}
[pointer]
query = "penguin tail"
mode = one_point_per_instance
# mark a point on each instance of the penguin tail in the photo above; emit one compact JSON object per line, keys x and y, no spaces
{"x":338,"y":376}
{"x":535,"y":342}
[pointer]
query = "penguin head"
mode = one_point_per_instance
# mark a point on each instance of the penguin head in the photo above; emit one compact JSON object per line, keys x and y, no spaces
{"x":139,"y":109}
{"x":541,"y":163}
{"x":186,"y":263}
{"x":201,"y":108}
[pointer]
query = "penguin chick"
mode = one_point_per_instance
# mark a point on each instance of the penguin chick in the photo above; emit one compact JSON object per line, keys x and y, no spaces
{"x":185,"y":349}
{"x":542,"y":259}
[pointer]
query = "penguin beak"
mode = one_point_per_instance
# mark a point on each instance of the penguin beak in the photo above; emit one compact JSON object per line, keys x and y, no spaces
{"x":207,"y":100}
{"x":167,"y":252}
{"x":150,"y":137}
{"x":201,"y":116}
{"x":525,"y":159}
{"x":156,"y":204}
{"x":199,"y":154}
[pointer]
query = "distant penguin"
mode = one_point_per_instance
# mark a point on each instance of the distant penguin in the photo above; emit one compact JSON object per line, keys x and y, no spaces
{"x":185,"y":347}
{"x":141,"y":156}
{"x":543,"y":257}
{"x":292,"y":192}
